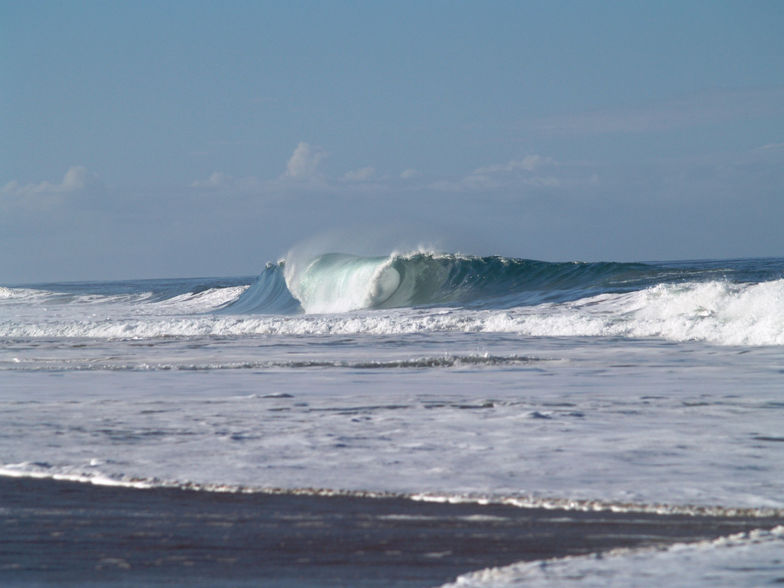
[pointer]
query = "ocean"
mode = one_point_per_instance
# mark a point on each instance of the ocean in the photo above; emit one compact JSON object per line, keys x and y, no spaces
{"x":645,"y":389}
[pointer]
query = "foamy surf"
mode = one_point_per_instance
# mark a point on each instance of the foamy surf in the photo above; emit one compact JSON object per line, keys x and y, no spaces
{"x":717,"y":312}
{"x":747,"y":559}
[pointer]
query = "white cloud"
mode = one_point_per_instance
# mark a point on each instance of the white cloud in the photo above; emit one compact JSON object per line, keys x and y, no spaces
{"x":11,"y":187}
{"x":76,"y":179}
{"x":528,"y":163}
{"x":78,"y":189}
{"x":409,"y":174}
{"x":509,"y":174}
{"x":304,"y":162}
{"x":219,"y":181}
{"x":216,"y":181}
{"x":360,"y":175}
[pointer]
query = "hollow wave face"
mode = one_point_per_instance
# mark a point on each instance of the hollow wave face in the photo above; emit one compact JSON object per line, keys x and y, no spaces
{"x":336,"y":282}
{"x":499,"y":282}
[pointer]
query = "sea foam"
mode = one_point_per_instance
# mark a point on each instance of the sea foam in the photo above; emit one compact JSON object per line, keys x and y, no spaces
{"x":716,"y":312}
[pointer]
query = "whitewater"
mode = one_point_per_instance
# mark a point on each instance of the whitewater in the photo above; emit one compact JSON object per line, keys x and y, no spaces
{"x":639,"y":387}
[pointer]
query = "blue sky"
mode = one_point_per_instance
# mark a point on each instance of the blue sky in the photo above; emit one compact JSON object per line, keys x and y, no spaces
{"x":163,"y":139}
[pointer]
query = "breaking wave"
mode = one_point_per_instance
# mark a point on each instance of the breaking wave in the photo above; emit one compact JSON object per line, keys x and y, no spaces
{"x":338,"y":282}
{"x":738,"y":302}
{"x":732,"y":302}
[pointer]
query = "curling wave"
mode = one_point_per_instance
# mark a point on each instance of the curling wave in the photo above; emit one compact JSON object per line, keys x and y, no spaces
{"x":337,"y":282}
{"x":729,"y":302}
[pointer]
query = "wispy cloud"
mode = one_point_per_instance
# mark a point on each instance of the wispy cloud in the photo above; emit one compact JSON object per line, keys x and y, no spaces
{"x":79,"y":189}
{"x":360,"y":175}
{"x":219,"y":181}
{"x":515,"y":173}
{"x":700,"y":109}
{"x":303,"y":176}
{"x":771,"y":147}
{"x":216,"y":181}
{"x":528,"y":163}
{"x":76,"y":179}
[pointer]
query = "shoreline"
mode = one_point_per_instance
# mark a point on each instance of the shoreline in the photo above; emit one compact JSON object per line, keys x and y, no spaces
{"x":62,"y":532}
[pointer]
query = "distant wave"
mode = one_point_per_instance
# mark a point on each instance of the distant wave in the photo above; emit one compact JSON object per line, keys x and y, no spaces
{"x":207,"y":293}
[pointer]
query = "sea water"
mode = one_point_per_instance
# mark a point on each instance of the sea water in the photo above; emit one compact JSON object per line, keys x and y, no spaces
{"x":655,"y":387}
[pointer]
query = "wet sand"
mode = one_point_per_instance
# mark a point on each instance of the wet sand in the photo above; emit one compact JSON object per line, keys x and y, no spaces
{"x":60,"y":533}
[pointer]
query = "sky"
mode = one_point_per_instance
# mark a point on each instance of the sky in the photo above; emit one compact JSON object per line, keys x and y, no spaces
{"x":192,"y":138}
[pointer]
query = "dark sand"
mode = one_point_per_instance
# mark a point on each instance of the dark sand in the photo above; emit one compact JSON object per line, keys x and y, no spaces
{"x":55,"y":533}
